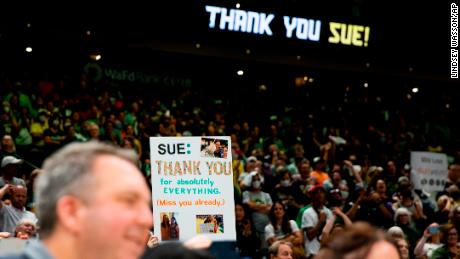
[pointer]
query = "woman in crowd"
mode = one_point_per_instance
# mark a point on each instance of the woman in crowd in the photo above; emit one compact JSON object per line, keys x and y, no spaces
{"x":381,"y":188}
{"x":247,"y":239}
{"x":408,"y":201}
{"x":174,"y":229}
{"x":281,"y":228}
{"x":285,"y":193}
{"x":25,"y":229}
{"x":445,"y":204}
{"x":259,"y":203}
{"x":215,"y":224}
{"x":403,"y":248}
{"x":449,"y":239}
{"x":165,"y":228}
{"x":394,"y":233}
{"x":404,"y":221}
{"x":359,"y":241}
{"x":429,"y":242}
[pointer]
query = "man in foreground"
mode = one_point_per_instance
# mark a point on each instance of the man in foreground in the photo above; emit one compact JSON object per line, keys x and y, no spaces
{"x":360,"y":240}
{"x":92,"y":202}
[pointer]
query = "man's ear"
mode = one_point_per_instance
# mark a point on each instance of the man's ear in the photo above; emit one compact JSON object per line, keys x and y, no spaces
{"x":70,"y":212}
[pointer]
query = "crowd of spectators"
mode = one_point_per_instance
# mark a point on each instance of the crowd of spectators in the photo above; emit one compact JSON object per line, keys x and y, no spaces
{"x":299,"y":177}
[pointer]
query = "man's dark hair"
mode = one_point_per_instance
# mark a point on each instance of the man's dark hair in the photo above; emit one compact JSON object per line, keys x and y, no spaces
{"x":354,"y":242}
{"x":176,"y":251}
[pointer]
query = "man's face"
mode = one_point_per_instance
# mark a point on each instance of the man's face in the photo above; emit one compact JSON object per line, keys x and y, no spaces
{"x":404,"y":219}
{"x":305,"y":170}
{"x":239,"y":212}
{"x":117,"y":219}
{"x":250,"y":166}
{"x":452,"y":237}
{"x":29,"y":228}
{"x":19,"y":197}
{"x":336,"y":177}
{"x":94,"y":131}
{"x":383,"y":249}
{"x":320,"y":166}
{"x":10,"y":170}
{"x":7,"y":141}
{"x":130,"y":130}
{"x":403,"y":248}
{"x":279,"y":210}
{"x":299,"y":152}
{"x":284,"y":252}
{"x":454,"y":172}
{"x":320,"y":197}
{"x":165,"y":219}
{"x":381,"y":186}
{"x":457,"y":215}
{"x":25,"y":231}
{"x":391,"y":167}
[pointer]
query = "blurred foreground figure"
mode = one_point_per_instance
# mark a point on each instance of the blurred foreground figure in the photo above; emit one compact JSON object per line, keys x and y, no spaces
{"x":359,"y":241}
{"x":280,"y":250}
{"x":175,"y":250}
{"x":92,"y":202}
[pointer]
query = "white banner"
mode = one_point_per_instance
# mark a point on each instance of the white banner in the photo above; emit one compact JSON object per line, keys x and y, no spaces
{"x":428,"y":171}
{"x":192,"y":187}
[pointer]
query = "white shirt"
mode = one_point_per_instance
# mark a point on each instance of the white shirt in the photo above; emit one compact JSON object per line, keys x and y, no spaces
{"x":270,"y":230}
{"x":310,"y":220}
{"x":428,"y":248}
{"x":10,"y":216}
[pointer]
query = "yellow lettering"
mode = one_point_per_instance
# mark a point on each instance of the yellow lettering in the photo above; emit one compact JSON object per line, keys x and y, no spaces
{"x":218,"y":165}
{"x":356,"y":39}
{"x":167,"y":167}
{"x":348,"y":34}
{"x":196,"y":168}
{"x":188,"y":167}
{"x":223,"y":168}
{"x":177,"y":168}
{"x":209,"y":164}
{"x":366,"y":36}
{"x":158,"y":162}
{"x":345,"y":34}
{"x":230,"y":168}
{"x":335,"y":38}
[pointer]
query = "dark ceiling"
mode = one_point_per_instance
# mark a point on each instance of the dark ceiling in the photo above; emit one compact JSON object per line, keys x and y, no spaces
{"x":408,"y":38}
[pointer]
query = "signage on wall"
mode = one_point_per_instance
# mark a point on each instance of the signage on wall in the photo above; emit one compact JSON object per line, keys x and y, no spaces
{"x":237,"y":20}
{"x":97,"y":72}
{"x":192,"y":187}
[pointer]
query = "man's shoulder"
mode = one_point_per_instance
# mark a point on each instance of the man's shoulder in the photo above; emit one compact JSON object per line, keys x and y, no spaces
{"x":309,"y":209}
{"x":17,"y":256}
{"x":6,"y":208}
{"x":33,"y":249}
{"x":12,"y":248}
